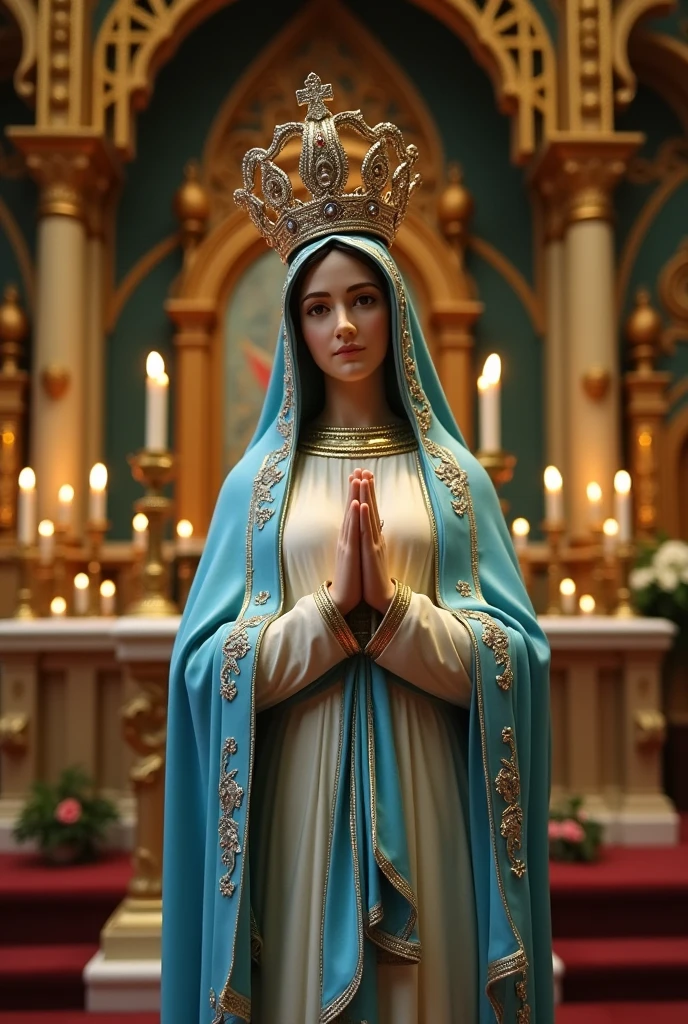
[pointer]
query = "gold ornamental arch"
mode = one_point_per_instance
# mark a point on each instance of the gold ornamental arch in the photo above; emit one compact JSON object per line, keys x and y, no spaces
{"x":507,"y":37}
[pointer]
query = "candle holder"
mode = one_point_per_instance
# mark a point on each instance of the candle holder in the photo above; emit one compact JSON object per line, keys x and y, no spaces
{"x":500,"y":469}
{"x":624,"y":557}
{"x":95,"y":531}
{"x":26,"y":554}
{"x":153,"y":470}
{"x":555,"y":534}
{"x":185,"y":575}
{"x":44,"y":575}
{"x":599,"y":574}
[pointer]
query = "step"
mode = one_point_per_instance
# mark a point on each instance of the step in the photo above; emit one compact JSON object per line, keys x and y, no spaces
{"x":82,"y":1017}
{"x":54,"y":905}
{"x":599,"y":1013}
{"x":43,"y":977}
{"x":631,"y":891}
{"x":624,"y":968}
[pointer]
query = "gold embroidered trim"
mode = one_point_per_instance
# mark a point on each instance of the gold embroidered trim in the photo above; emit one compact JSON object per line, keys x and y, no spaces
{"x":335,"y":620}
{"x":269,"y":474}
{"x":231,"y":795}
{"x":391,"y":621}
{"x":497,"y":639}
{"x":464,"y":588}
{"x":349,"y":442}
{"x":262,"y":597}
{"x":235,"y":647}
{"x":508,"y":785}
{"x":523,"y":1013}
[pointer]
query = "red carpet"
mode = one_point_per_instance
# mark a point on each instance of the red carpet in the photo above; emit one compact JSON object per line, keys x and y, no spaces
{"x":612,"y":1013}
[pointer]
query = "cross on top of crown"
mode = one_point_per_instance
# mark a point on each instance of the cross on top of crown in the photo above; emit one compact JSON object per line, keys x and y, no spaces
{"x":314,"y":94}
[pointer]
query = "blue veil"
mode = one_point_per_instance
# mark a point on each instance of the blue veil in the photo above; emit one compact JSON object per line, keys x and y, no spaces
{"x":209,"y":932}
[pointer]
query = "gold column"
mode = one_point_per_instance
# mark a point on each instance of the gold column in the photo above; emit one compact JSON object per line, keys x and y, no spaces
{"x":454,"y":323}
{"x":555,"y":340}
{"x":646,"y":408}
{"x":583,"y":171}
{"x":66,"y":168}
{"x":13,"y":386}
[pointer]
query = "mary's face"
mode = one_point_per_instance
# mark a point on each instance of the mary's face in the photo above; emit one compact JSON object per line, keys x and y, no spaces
{"x":344,"y":317}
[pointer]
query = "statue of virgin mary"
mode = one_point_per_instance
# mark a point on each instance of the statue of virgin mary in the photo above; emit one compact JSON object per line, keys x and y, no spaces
{"x":357,"y":775}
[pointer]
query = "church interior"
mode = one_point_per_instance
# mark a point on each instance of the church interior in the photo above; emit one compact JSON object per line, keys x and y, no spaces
{"x":547,"y":254}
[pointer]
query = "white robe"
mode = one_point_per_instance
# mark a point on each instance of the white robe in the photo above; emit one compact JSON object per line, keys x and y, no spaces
{"x":431,"y":650}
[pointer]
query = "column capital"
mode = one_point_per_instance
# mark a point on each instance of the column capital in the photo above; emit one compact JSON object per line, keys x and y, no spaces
{"x":576,"y":175}
{"x":69,"y":167}
{"x":195,"y":320}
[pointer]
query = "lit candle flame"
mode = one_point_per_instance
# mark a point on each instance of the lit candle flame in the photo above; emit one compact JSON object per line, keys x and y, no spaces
{"x":610,"y":527}
{"x":107,"y":588}
{"x":46,"y":528}
{"x":155,"y":365}
{"x":27,"y":479}
{"x":622,"y":482}
{"x":184,"y":529}
{"x":520,"y":527}
{"x":492,"y":370}
{"x":98,"y":477}
{"x":65,"y":495}
{"x":140,"y":522}
{"x":594,"y":492}
{"x":567,"y":587}
{"x":553,"y":480}
{"x":586,"y":603}
{"x":81,"y":581}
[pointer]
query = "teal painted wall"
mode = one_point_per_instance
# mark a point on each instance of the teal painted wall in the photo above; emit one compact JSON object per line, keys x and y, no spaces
{"x":188,"y":93}
{"x":650,"y":114}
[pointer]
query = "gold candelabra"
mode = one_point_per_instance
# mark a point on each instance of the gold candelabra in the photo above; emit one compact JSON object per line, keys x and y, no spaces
{"x":153,"y":470}
{"x":26,"y":554}
{"x":624,"y":555}
{"x":500,"y":469}
{"x":95,"y":531}
{"x":555,"y":534}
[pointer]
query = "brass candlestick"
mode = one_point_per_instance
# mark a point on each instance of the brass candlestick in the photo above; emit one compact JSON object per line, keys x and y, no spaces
{"x":555,"y":534}
{"x":153,"y":470}
{"x":500,"y":469}
{"x":625,"y":554}
{"x":95,"y":531}
{"x":26,"y":554}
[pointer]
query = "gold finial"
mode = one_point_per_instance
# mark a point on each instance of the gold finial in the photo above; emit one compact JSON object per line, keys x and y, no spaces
{"x":13,"y":328}
{"x":455,"y":207}
{"x":375,"y":207}
{"x":644,"y":332}
{"x":192,"y":206}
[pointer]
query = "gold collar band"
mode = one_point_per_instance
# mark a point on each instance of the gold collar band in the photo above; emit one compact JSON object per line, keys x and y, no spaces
{"x":350,"y":442}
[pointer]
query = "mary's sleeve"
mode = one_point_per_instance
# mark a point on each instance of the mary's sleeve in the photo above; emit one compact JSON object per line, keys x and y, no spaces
{"x":300,"y":646}
{"x":425,"y":645}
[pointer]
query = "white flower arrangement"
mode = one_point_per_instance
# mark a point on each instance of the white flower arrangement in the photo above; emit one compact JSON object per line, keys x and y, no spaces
{"x":660,"y":582}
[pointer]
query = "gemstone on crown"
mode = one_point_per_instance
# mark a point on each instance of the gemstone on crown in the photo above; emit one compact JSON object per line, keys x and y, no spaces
{"x":287,"y":222}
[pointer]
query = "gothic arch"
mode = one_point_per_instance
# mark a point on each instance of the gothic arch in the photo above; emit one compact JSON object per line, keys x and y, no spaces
{"x":507,"y":37}
{"x":661,"y":62}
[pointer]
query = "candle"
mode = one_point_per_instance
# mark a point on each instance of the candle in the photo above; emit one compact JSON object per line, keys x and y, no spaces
{"x":139,"y":531}
{"x":489,"y":399}
{"x":58,"y":607}
{"x":81,"y":594}
{"x":97,"y":496}
{"x":622,"y":505}
{"x":586,"y":603}
{"x":567,"y":591}
{"x":554,"y":502}
{"x":107,"y":597}
{"x":594,"y":493}
{"x":65,"y":498}
{"x":520,"y":528}
{"x":157,"y":388}
{"x":26,"y":507}
{"x":610,"y":528}
{"x":184,"y":534}
{"x":46,"y":541}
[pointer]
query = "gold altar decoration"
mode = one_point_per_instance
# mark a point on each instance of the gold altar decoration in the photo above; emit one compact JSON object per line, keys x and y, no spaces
{"x":500,"y":469}
{"x":153,"y":470}
{"x":129,"y":51}
{"x":646,"y":409}
{"x":133,"y":931}
{"x":95,"y":532}
{"x":13,"y":388}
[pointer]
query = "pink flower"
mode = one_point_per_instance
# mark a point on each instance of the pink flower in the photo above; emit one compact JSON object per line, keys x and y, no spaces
{"x":571,"y":831}
{"x":554,"y":830}
{"x":68,"y":811}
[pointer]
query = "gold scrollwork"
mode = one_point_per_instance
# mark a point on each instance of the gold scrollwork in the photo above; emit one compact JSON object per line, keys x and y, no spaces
{"x":508,"y":785}
{"x":231,"y":795}
{"x":523,"y":1012}
{"x":235,"y":647}
{"x":497,"y":639}
{"x":14,"y":728}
